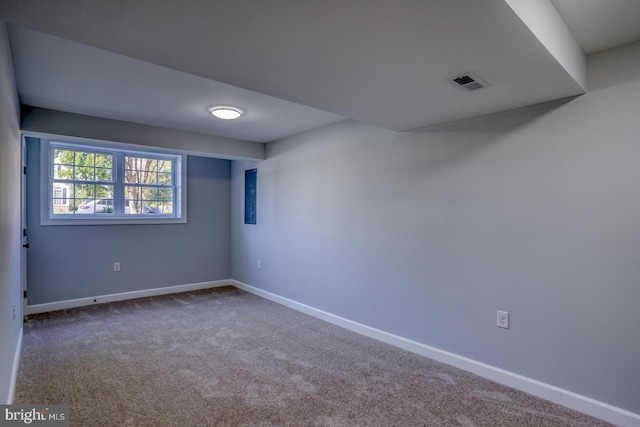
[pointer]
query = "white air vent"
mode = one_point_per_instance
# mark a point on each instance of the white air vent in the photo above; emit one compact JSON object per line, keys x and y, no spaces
{"x":469,"y":81}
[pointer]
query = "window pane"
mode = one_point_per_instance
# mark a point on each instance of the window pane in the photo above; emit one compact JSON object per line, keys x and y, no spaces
{"x":164,"y":179}
{"x":104,"y":160}
{"x":165,"y":194}
{"x":83,"y":191}
{"x":131,"y":176}
{"x":104,"y":206}
{"x":63,"y":157}
{"x":63,"y":161}
{"x":150,"y":178}
{"x":83,"y":158}
{"x":132,"y":193}
{"x":165,"y":208}
{"x":104,"y":191}
{"x":149,"y":193}
{"x":149,"y":165}
{"x":84,"y":173}
{"x":165,"y":200}
{"x":133,"y":200}
{"x":62,"y":203}
{"x":104,"y":174}
{"x":62,"y":171}
{"x":134,"y":207}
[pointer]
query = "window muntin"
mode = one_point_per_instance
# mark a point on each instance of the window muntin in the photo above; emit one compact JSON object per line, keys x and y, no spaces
{"x":94,"y":183}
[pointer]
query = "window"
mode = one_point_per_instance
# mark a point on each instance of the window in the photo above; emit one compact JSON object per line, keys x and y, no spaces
{"x":107,"y":185}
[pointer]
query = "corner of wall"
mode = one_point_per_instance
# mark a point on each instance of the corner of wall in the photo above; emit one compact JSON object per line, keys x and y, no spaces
{"x":547,"y":25}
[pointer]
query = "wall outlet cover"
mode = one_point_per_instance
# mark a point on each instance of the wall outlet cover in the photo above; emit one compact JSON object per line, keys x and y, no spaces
{"x":503,"y":319}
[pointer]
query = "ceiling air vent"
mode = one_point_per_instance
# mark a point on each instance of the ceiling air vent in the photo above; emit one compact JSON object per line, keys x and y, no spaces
{"x":469,"y":82}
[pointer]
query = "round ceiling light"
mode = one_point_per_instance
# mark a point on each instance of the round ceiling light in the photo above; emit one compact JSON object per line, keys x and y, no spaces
{"x":225,"y":112}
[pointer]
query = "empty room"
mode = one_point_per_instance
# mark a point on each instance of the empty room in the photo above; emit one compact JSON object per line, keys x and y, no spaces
{"x":334,"y":213}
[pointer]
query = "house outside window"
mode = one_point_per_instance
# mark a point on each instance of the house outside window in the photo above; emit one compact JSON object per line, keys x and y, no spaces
{"x":60,"y":201}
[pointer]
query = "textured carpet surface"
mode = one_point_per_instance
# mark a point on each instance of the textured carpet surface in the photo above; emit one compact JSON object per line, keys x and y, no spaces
{"x":226,"y":357}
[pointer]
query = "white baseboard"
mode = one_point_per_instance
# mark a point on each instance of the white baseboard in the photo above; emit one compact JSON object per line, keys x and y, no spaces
{"x":62,"y":305}
{"x":14,"y":370}
{"x":586,"y":405}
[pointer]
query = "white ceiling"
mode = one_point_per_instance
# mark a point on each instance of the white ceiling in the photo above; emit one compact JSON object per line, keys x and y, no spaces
{"x":62,"y":75}
{"x":601,"y":24}
{"x":294,"y":65}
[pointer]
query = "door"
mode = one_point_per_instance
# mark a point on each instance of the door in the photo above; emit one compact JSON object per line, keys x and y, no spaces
{"x":23,"y":216}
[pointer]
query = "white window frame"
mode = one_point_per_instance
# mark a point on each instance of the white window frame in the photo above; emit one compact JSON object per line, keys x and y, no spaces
{"x":47,"y":217}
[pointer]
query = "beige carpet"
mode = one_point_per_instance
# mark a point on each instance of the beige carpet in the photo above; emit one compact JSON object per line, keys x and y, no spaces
{"x":226,"y":357}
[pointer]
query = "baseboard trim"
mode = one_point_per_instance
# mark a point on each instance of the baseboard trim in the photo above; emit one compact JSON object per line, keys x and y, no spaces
{"x":14,"y":370}
{"x":80,"y":302}
{"x":586,"y":405}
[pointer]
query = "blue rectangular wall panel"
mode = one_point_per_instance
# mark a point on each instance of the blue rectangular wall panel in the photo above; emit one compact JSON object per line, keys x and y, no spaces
{"x":250,"y":196}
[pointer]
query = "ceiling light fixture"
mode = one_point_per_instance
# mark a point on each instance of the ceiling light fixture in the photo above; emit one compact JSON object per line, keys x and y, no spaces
{"x":226,"y":112}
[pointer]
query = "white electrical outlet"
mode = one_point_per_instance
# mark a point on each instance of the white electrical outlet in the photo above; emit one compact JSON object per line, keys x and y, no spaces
{"x":116,"y":266}
{"x":259,"y":264}
{"x":503,"y":319}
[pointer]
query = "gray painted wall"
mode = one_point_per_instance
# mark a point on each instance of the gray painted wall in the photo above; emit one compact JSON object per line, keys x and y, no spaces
{"x":425,"y":235}
{"x":10,"y":240}
{"x":69,"y":262}
{"x":52,"y":122}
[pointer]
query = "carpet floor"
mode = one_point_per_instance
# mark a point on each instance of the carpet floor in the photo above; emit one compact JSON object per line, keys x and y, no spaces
{"x":224,"y":357}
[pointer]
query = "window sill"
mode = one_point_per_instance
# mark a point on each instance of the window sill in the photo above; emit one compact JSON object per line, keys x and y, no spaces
{"x":111,"y":221}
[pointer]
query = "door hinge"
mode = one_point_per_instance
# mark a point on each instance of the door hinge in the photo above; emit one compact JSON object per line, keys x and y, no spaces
{"x":24,"y":170}
{"x":25,"y":295}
